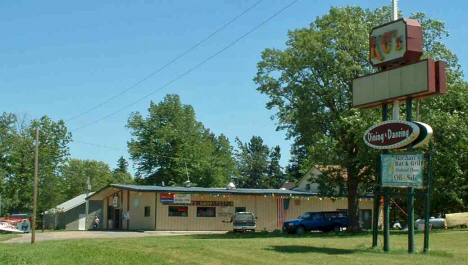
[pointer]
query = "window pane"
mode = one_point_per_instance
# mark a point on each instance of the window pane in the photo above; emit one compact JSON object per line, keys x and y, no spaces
{"x":240,"y":209}
{"x":244,"y":216}
{"x":147,"y":211}
{"x":206,"y":211}
{"x":178,"y":211}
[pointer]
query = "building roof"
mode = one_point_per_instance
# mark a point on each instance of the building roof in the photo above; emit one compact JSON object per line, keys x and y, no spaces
{"x":70,"y":204}
{"x":198,"y":190}
{"x":289,"y":185}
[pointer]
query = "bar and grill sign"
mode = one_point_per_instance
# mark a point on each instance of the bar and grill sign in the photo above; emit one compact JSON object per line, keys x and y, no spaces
{"x":402,"y":170}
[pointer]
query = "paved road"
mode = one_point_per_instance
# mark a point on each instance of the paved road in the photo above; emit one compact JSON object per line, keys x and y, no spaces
{"x":65,"y":235}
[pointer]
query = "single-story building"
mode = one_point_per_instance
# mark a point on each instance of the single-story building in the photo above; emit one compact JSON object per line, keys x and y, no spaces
{"x":71,"y":215}
{"x":141,"y":207}
{"x":307,"y":184}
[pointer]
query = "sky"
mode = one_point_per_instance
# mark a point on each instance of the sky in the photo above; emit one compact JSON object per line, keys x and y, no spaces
{"x":62,"y":58}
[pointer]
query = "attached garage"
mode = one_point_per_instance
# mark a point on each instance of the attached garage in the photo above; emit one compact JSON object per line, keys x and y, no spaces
{"x":71,"y":215}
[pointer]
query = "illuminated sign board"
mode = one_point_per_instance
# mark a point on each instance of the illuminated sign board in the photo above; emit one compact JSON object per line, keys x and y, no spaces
{"x":394,"y":43}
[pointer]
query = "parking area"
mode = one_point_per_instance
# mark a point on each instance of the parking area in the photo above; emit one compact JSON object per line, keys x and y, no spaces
{"x":66,"y":235}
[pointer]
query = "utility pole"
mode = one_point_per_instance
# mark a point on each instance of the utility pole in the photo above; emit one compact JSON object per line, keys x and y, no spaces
{"x":36,"y":165}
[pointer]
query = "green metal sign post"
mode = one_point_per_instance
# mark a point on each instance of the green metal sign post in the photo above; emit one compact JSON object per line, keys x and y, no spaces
{"x":409,"y":117}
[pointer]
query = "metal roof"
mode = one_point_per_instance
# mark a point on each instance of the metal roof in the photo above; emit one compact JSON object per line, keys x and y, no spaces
{"x":194,"y":190}
{"x":70,"y":204}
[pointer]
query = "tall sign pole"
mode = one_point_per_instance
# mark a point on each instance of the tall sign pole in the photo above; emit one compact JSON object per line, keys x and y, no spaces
{"x":409,"y":117}
{"x":395,"y":49}
{"x":36,"y":165}
{"x":396,"y":117}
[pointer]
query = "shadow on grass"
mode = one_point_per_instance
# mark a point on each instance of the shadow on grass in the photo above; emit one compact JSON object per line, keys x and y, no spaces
{"x":251,"y":235}
{"x":358,"y":249}
{"x":311,"y":249}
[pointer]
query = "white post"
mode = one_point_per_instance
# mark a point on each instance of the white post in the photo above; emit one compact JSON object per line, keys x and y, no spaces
{"x":395,"y":9}
{"x":88,"y":188}
{"x":396,"y":104}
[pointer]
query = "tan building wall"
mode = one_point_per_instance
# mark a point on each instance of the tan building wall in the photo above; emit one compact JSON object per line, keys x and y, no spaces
{"x":138,"y":201}
{"x":265,"y":209}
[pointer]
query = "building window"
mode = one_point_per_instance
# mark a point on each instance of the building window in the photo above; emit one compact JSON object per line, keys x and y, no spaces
{"x":147,"y":211}
{"x":308,"y":186}
{"x":206,"y":211}
{"x":181,"y":211}
{"x":240,"y":209}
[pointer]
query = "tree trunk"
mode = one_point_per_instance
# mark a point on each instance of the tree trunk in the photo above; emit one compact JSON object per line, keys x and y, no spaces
{"x":353,"y":203}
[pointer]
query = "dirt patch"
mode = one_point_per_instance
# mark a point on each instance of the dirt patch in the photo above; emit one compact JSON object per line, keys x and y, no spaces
{"x":66,"y":235}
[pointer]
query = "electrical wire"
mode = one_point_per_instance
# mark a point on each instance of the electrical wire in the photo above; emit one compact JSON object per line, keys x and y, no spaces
{"x":118,"y":149}
{"x":164,"y":66}
{"x":191,"y":69}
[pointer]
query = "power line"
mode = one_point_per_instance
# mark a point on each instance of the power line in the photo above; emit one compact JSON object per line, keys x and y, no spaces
{"x":190,"y":70}
{"x":98,"y":145}
{"x":118,"y":149}
{"x":166,"y":65}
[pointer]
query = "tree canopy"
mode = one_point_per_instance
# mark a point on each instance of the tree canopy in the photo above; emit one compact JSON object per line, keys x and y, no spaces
{"x":309,"y":85}
{"x":17,"y":161}
{"x":257,"y":166}
{"x":170,"y":145}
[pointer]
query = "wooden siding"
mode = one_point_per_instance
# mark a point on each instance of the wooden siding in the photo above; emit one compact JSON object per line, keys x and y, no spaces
{"x":265,"y":209}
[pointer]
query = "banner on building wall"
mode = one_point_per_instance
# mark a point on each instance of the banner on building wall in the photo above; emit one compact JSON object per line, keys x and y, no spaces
{"x":182,"y":198}
{"x":166,"y":198}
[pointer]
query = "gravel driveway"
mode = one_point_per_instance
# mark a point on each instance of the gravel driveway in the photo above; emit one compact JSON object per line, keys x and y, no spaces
{"x":66,"y":235}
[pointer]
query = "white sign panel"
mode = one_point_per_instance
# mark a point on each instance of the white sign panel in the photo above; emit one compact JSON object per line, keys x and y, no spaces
{"x":115,"y":202}
{"x":405,"y":170}
{"x":182,"y":198}
{"x":388,"y":43}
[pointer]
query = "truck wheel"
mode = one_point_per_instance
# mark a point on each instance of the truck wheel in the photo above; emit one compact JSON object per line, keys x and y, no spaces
{"x":300,"y":230}
{"x":336,"y":228}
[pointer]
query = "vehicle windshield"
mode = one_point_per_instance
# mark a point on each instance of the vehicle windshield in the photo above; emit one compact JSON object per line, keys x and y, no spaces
{"x":305,"y":216}
{"x":19,"y":216}
{"x":244,"y":216}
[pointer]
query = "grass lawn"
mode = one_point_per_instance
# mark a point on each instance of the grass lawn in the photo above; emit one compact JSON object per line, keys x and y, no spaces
{"x":447,"y":247}
{"x":4,"y":237}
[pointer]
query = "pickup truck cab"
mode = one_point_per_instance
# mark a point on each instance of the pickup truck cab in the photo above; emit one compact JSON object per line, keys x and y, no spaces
{"x":243,"y":221}
{"x":322,"y":221}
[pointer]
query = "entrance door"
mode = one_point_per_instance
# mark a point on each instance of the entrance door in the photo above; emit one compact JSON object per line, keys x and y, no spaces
{"x":117,"y":219}
{"x":82,"y":222}
{"x":365,"y":217}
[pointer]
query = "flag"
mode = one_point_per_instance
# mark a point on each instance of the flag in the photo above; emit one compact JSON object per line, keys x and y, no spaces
{"x":280,"y":212}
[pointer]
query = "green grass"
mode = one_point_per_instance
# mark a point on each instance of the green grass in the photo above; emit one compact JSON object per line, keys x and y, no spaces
{"x":447,"y":247}
{"x":5,"y":237}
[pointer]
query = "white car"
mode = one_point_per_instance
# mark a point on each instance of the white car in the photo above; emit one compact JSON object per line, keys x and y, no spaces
{"x":434,"y":222}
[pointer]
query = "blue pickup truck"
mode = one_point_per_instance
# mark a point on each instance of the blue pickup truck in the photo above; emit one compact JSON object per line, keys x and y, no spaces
{"x":321,"y":221}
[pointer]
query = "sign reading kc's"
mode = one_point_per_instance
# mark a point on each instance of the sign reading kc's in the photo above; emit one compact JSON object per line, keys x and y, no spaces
{"x":395,"y":42}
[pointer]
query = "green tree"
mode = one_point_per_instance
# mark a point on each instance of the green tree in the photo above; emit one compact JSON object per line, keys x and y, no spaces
{"x":122,"y":165}
{"x":75,"y":177}
{"x":257,"y":166}
{"x":121,"y":174}
{"x":170,"y":144}
{"x":309,"y":83}
{"x":17,"y":161}
{"x":275,"y":175}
